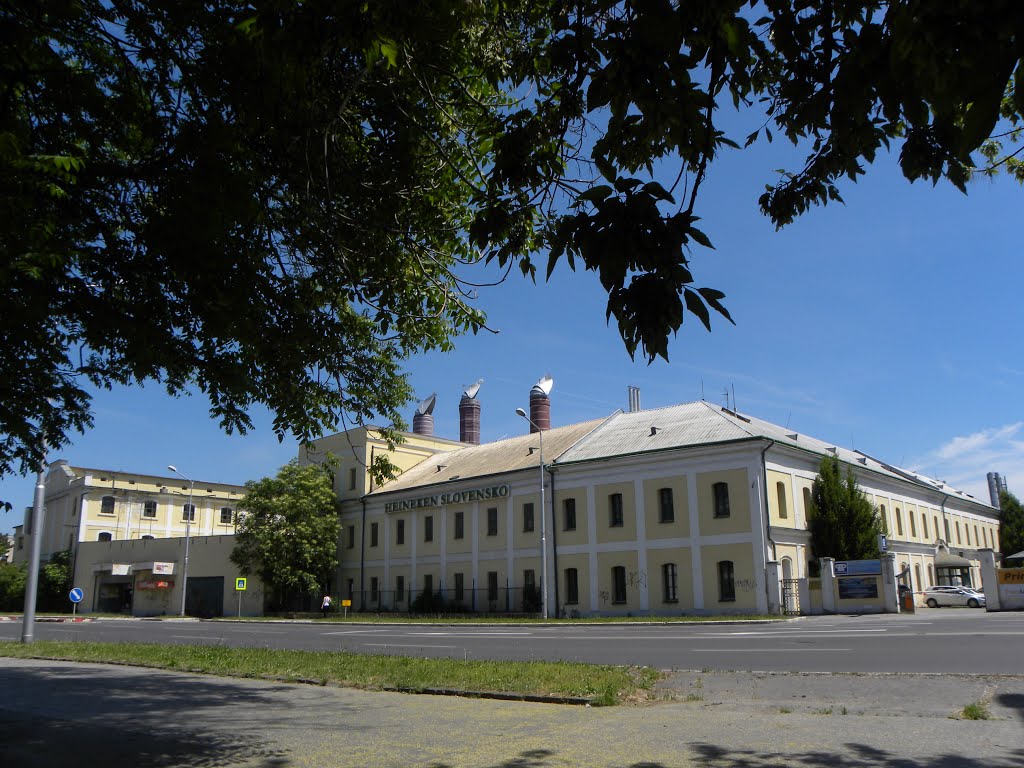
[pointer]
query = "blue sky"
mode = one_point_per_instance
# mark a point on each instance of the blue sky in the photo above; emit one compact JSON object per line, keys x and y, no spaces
{"x":889,"y":324}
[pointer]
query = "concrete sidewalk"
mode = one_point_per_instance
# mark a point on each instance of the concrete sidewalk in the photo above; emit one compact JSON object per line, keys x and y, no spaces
{"x":58,"y":713}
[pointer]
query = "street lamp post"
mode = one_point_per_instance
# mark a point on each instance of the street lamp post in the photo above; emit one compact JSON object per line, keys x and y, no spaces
{"x":543,"y":522}
{"x":188,"y":530}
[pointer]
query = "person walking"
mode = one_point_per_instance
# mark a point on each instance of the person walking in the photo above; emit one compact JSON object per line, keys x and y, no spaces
{"x":325,"y":606}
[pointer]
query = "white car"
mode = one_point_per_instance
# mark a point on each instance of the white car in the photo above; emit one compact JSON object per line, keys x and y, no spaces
{"x":962,"y":596}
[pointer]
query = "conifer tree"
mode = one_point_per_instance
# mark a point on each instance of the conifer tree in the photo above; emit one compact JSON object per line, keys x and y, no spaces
{"x":842,"y":520}
{"x":1011,"y":524}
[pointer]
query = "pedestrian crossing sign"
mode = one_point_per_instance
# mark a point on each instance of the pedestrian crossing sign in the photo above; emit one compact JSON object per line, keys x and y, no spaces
{"x":240,"y":585}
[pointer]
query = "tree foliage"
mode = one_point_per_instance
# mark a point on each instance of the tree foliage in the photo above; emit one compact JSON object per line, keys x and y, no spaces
{"x":13,"y":578}
{"x":276,"y":202}
{"x":288,"y":530}
{"x":843,"y":523}
{"x":1011,"y":524}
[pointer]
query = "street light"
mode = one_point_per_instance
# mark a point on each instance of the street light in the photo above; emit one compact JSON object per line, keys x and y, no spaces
{"x":543,"y":522}
{"x":188,"y":529}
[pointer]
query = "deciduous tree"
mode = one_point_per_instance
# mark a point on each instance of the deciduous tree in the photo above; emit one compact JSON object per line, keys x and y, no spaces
{"x":288,"y":530}
{"x":276,"y":202}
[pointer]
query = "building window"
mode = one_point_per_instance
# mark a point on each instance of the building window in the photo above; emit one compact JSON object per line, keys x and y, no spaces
{"x":669,"y":583}
{"x":899,"y":522}
{"x":935,"y":527}
{"x":720,"y":492}
{"x":572,"y":586}
{"x":569,"y":515}
{"x":352,"y":479}
{"x":527,"y":518}
{"x":726,"y":582}
{"x":924,"y":526}
{"x":615,"y":519}
{"x":949,"y":539}
{"x":967,"y":532}
{"x":977,"y":538}
{"x":428,"y":584}
{"x":492,"y":586}
{"x":399,"y":589}
{"x":460,"y":587}
{"x":492,"y":521}
{"x":351,"y":588}
{"x":460,"y":529}
{"x":147,"y":536}
{"x":351,"y":537}
{"x":913,"y":525}
{"x":958,"y":540}
{"x":917,"y":577}
{"x":373,"y":534}
{"x":149,"y":509}
{"x":807,"y":503}
{"x":107,"y":505}
{"x":105,"y":536}
{"x":188,"y":512}
{"x":428,"y":528}
{"x":618,"y":584}
{"x":399,"y":532}
{"x":780,"y":493}
{"x":666,"y":507}
{"x":374,"y":591}
{"x":931,"y":575}
{"x":227,"y":515}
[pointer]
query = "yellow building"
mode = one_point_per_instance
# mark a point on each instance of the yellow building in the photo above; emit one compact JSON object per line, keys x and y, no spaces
{"x":83,"y":504}
{"x":687,"y":509}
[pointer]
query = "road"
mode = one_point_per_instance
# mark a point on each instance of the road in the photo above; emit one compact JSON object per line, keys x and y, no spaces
{"x":930,"y":641}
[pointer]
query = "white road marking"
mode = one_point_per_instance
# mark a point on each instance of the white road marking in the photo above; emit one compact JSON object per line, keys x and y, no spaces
{"x":410,"y":645}
{"x":468,"y":634}
{"x":355,"y":632}
{"x":762,"y":650}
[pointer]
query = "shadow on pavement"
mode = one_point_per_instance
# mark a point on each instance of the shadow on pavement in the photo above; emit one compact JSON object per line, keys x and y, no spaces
{"x":1012,"y":701}
{"x":137,"y":720}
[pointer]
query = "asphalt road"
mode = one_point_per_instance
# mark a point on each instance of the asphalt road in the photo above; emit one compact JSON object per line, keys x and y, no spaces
{"x":930,"y":641}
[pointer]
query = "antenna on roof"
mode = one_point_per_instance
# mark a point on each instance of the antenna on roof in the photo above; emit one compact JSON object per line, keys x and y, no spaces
{"x":734,"y":399}
{"x":702,"y":389}
{"x":725,"y":394}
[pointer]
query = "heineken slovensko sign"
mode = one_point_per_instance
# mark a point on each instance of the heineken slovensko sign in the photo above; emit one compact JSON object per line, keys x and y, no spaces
{"x":443,"y":499}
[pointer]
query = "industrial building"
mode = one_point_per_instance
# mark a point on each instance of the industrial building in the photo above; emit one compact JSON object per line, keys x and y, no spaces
{"x":686,"y":509}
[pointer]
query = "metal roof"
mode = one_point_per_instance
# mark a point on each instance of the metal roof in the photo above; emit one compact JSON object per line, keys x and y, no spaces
{"x":490,"y":458}
{"x":623,"y":434}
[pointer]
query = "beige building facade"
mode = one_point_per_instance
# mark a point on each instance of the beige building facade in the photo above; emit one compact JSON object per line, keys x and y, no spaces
{"x":84,"y":504}
{"x":686,"y":509}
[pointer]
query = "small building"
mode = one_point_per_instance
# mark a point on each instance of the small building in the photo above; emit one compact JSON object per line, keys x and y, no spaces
{"x":143,"y":577}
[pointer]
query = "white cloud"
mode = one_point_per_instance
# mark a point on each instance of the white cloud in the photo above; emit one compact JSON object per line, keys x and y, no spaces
{"x":964,"y":460}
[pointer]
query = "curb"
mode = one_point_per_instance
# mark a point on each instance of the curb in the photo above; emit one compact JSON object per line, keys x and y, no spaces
{"x":52,"y":619}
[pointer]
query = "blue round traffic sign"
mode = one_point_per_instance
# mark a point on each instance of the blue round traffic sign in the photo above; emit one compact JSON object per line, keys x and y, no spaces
{"x":76,"y":595}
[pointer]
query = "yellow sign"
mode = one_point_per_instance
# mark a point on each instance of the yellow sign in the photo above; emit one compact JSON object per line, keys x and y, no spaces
{"x":1011,"y":575}
{"x":240,"y":585}
{"x":346,"y":603}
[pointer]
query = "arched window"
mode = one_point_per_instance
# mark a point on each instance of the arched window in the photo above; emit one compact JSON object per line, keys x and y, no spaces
{"x":958,"y":539}
{"x":931,"y":575}
{"x":787,"y":568}
{"x":967,"y":532}
{"x":924,"y":525}
{"x":899,"y":522}
{"x":105,"y":536}
{"x":807,"y":503}
{"x":780,"y":492}
{"x":917,"y":577}
{"x":107,"y":505}
{"x":913,"y":525}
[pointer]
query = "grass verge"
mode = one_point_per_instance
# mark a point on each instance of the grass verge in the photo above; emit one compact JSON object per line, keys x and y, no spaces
{"x":602,"y":685}
{"x":400,"y":618}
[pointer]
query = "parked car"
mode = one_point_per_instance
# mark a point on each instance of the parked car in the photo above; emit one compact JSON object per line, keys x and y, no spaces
{"x":962,"y":596}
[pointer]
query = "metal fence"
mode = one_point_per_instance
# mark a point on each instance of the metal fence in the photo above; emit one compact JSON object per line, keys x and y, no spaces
{"x":500,"y":600}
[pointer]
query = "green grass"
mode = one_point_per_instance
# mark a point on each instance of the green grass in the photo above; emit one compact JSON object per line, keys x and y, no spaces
{"x":976,"y":711}
{"x":602,"y":685}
